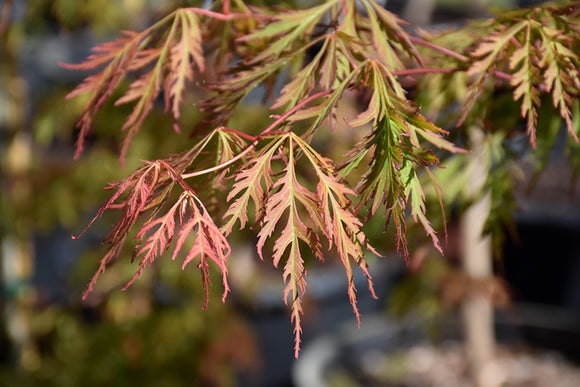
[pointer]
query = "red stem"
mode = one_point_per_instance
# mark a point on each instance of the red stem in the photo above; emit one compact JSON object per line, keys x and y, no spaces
{"x":239,"y":133}
{"x":420,"y":71}
{"x":226,"y":7}
{"x":268,"y":130}
{"x":442,"y":50}
{"x":294,"y":110}
{"x":227,"y":17}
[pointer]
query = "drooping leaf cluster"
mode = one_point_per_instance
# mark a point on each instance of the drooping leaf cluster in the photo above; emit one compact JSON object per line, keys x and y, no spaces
{"x":301,"y":199}
{"x":537,"y":49}
{"x":522,"y":63}
{"x":169,"y":60}
{"x":533,"y":52}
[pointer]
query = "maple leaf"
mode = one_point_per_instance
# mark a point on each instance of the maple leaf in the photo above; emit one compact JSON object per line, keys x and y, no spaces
{"x":328,"y":211}
{"x":248,"y":186}
{"x":288,"y":28}
{"x":561,"y":72}
{"x":148,"y":191}
{"x":341,"y":226}
{"x":209,"y":242}
{"x":485,"y":55}
{"x":288,"y":193}
{"x":535,"y":47}
{"x":386,"y":32}
{"x":187,"y":52}
{"x":172,"y":65}
{"x":119,"y":52}
{"x":394,"y":146}
{"x":524,"y":80}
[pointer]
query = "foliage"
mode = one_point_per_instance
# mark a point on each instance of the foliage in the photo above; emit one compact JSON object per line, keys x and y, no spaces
{"x":132,"y":338}
{"x":300,"y":198}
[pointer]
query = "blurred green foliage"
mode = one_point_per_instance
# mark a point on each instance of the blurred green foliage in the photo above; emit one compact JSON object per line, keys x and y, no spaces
{"x":153,"y":335}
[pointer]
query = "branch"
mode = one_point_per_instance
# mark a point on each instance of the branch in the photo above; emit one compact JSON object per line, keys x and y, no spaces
{"x":268,"y":130}
{"x":229,"y":16}
{"x":440,"y":49}
{"x":420,"y":71}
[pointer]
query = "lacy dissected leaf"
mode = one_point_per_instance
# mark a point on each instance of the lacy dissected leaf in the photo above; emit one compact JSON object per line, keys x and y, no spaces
{"x":119,"y":53}
{"x":287,"y":195}
{"x":219,"y":147}
{"x":561,"y":71}
{"x":300,"y":215}
{"x":340,"y":224}
{"x":230,"y":91}
{"x":208,"y":242}
{"x":524,"y":80}
{"x":416,"y":197}
{"x":186,"y":53}
{"x":398,"y":144}
{"x":325,"y":69}
{"x":148,"y":190}
{"x":386,"y":34}
{"x":167,"y":57}
{"x":333,"y":68}
{"x":486,"y":55}
{"x":252,"y":183}
{"x":229,"y":147}
{"x":289,"y":28}
{"x":534,"y":49}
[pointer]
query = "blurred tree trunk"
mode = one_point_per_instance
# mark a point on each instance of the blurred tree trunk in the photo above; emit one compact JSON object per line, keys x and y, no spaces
{"x":477,"y":308}
{"x":477,"y":264}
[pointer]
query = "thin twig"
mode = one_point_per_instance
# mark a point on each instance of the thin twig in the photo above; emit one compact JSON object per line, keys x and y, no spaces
{"x":432,"y":70}
{"x":440,"y":49}
{"x":229,"y":16}
{"x":265,"y":132}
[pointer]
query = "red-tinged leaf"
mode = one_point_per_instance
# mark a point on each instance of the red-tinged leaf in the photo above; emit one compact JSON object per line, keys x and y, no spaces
{"x":338,"y":223}
{"x":147,"y":191}
{"x":144,"y":89}
{"x":158,"y":241}
{"x":172,"y":57}
{"x":102,"y":84}
{"x":326,"y":108}
{"x":485,"y":57}
{"x":302,"y":83}
{"x":419,"y":126}
{"x":397,"y":215}
{"x":348,"y":25}
{"x":560,"y":74}
{"x":328,"y":71}
{"x":209,"y":242}
{"x":249,"y":186}
{"x":344,"y":228}
{"x":229,"y":145}
{"x":387,"y":95}
{"x":288,"y":193}
{"x":230,"y":91}
{"x":141,"y":189}
{"x":368,"y":115}
{"x":523,"y":80}
{"x":104,"y":52}
{"x":187,"y":52}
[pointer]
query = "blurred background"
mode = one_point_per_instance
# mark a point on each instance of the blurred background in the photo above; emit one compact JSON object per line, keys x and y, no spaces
{"x":155,"y":333}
